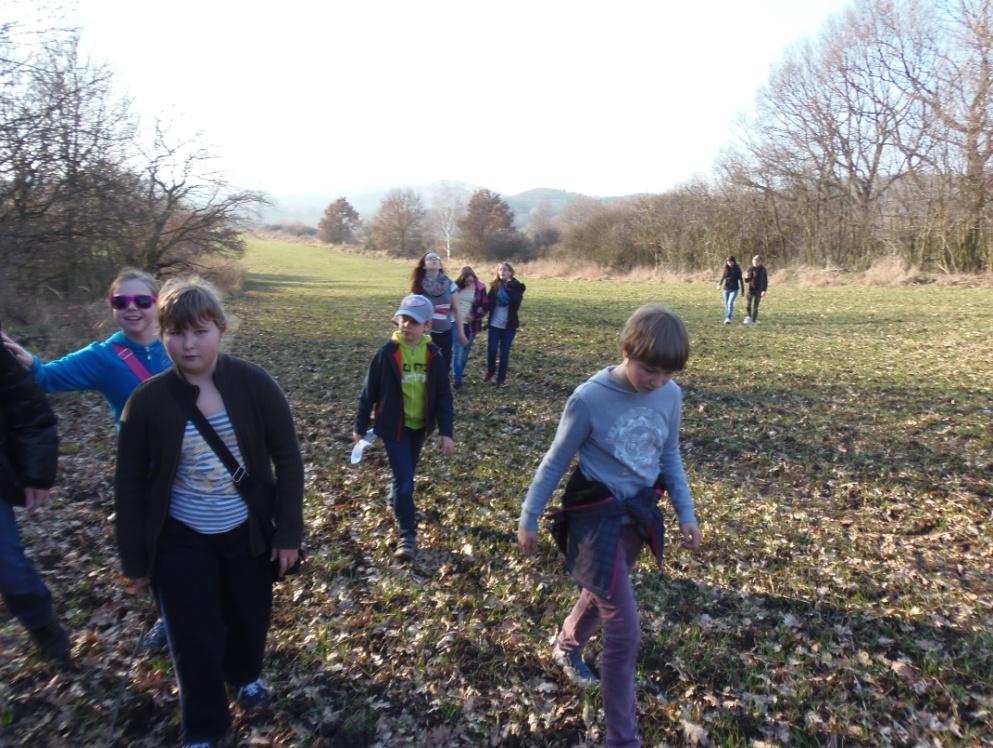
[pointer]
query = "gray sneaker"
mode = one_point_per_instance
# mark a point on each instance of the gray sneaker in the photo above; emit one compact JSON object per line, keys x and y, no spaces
{"x":577,"y":671}
{"x":254,"y":695}
{"x":156,"y":641}
{"x":406,"y":549}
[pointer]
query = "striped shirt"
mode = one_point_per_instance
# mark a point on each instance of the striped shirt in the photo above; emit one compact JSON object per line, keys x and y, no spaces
{"x":203,"y":495}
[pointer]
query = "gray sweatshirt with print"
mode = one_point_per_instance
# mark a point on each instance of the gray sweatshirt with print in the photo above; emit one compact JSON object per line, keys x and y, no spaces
{"x":625,"y":440}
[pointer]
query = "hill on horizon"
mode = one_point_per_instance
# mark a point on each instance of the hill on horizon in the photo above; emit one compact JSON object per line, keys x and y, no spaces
{"x":307,"y":208}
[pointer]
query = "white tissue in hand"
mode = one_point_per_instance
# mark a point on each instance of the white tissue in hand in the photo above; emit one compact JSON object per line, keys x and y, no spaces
{"x":362,"y":445}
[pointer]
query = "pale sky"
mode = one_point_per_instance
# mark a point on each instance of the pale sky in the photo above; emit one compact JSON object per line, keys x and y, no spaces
{"x":606,"y":97}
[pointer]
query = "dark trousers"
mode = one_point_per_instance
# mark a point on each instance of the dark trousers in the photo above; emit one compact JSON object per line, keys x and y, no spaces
{"x":444,"y":341}
{"x":216,"y":602}
{"x":498,"y":340}
{"x":26,"y":595}
{"x":403,"y":455}
{"x":753,"y":305}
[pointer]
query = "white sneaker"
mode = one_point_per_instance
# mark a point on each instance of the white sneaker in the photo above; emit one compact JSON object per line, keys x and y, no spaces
{"x":727,"y":322}
{"x":747,"y":321}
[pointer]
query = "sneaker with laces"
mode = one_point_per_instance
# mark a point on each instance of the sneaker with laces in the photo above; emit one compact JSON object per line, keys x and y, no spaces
{"x":406,"y":549}
{"x":254,"y":695}
{"x":156,"y":641}
{"x":577,"y":671}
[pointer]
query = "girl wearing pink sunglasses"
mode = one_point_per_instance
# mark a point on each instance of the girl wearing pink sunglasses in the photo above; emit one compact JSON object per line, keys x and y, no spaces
{"x":115,"y":366}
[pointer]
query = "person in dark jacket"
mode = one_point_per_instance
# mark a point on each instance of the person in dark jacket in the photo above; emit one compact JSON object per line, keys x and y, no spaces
{"x":506,"y":294}
{"x":183,"y":525}
{"x":407,"y":394}
{"x":731,"y":283}
{"x":29,"y":450}
{"x":757,"y":280}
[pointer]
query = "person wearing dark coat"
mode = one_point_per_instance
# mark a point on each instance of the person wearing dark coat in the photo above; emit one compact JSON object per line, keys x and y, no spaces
{"x":29,"y":451}
{"x":757,"y":280}
{"x":731,"y":283}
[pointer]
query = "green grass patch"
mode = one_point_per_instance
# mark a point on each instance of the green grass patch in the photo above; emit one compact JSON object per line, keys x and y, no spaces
{"x":839,"y":455}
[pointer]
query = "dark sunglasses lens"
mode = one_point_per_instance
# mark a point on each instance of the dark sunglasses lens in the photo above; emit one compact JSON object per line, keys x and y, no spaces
{"x":142,"y":301}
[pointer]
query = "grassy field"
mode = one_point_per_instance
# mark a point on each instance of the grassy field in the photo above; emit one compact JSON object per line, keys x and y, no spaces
{"x":840,"y":455}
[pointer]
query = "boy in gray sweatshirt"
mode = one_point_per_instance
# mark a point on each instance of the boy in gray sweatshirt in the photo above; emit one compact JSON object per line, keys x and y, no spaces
{"x":624,"y":423}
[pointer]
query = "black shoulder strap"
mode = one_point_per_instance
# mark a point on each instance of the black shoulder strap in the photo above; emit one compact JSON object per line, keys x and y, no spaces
{"x":214,"y":440}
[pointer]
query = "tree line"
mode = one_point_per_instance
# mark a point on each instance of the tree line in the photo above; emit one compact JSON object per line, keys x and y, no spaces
{"x":874,"y":139}
{"x":84,"y":189}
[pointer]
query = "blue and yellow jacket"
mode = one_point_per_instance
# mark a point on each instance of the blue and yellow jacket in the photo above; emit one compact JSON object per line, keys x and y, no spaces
{"x":382,"y":394}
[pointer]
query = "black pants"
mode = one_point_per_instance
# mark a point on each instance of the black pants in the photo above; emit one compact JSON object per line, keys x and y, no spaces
{"x":216,"y":602}
{"x":444,"y":341}
{"x":753,"y":305}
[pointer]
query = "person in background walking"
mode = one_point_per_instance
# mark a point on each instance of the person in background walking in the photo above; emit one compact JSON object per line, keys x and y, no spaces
{"x":429,"y":279}
{"x":757,"y":280}
{"x":474,"y":302}
{"x":731,"y":282}
{"x":506,"y":294}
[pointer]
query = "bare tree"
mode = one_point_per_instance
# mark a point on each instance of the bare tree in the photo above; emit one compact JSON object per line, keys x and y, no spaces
{"x":448,"y":205}
{"x":185,"y":209}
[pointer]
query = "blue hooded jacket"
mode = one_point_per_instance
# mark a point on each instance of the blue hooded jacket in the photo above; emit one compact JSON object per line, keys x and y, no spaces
{"x":98,"y":367}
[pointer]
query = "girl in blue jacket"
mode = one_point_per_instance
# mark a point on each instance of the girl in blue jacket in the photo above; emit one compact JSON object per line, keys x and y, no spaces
{"x":115,"y":366}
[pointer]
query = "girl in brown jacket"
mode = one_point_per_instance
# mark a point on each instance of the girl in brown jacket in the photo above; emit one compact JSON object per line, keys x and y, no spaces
{"x":182,"y":524}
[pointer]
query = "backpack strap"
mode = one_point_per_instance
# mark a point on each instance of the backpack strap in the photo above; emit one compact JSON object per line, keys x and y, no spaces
{"x":131,"y":361}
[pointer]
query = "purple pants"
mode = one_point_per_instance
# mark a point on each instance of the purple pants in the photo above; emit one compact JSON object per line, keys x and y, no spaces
{"x":621,"y":637}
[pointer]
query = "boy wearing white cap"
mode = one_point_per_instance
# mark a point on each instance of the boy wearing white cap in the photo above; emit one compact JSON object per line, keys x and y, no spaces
{"x":406,"y":394}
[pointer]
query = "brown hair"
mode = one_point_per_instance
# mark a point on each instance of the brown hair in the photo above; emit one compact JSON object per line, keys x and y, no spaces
{"x":187,"y":302}
{"x":495,"y":285}
{"x":130,"y":274}
{"x":464,"y":275}
{"x":417,"y":277}
{"x":656,"y":337}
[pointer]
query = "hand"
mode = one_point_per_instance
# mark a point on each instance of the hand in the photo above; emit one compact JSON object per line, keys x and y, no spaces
{"x":137,"y":586}
{"x":24,"y":358}
{"x":356,"y":436}
{"x":463,"y":339}
{"x":34,"y":498}
{"x":691,"y":535}
{"x":527,"y":540}
{"x":447,"y":445}
{"x":286,"y":556}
